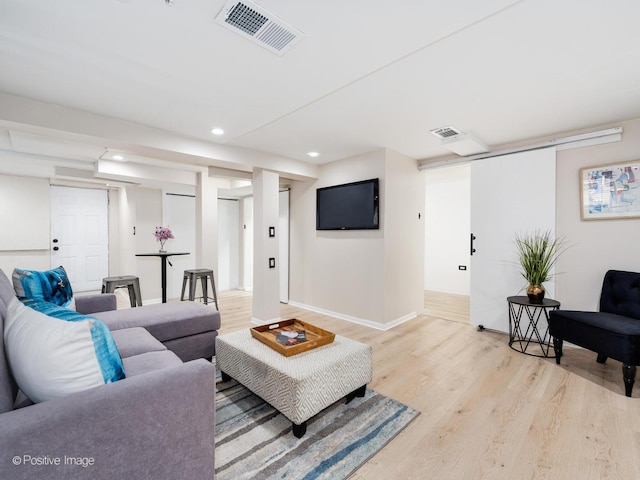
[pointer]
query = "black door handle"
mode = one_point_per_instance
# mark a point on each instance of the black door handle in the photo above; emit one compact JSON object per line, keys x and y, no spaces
{"x":472,"y":250}
{"x":55,"y":240}
{"x":55,"y":249}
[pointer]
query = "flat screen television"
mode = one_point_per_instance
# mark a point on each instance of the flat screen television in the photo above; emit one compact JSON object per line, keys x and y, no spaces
{"x":350,"y":206}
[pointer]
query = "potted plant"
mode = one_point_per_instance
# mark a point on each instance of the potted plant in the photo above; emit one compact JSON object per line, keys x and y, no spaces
{"x":538,"y":252}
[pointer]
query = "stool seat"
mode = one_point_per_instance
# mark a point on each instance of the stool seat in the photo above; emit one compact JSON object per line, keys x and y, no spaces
{"x":109,"y":284}
{"x":191,"y":277}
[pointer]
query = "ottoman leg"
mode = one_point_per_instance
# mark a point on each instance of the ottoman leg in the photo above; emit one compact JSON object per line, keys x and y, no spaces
{"x":225,"y":377}
{"x":299,"y":430}
{"x":358,"y":392}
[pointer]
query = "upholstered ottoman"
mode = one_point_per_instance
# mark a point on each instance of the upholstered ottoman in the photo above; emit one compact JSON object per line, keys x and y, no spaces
{"x":299,"y":386}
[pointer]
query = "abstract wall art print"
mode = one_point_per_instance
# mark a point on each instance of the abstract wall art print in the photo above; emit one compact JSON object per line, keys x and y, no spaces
{"x":610,"y":191}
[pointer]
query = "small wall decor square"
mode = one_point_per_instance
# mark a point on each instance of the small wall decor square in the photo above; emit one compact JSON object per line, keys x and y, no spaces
{"x":610,"y":191}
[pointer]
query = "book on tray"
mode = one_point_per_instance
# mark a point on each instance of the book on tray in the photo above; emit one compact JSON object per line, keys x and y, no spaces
{"x":291,"y":338}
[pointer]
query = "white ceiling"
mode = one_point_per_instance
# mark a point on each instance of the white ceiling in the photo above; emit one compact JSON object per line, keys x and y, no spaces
{"x":367,"y":74}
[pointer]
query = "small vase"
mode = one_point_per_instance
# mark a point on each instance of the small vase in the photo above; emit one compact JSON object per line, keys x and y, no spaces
{"x":535,"y":293}
{"x":162,"y":250}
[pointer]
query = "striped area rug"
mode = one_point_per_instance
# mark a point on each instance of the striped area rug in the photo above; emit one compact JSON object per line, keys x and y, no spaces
{"x":254,"y":441}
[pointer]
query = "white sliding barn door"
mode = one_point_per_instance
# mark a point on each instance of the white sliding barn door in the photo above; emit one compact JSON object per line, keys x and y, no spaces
{"x":180,"y":217}
{"x":510,"y":194}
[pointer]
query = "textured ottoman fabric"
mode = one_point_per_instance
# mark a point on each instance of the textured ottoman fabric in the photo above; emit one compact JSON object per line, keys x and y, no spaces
{"x":299,"y":386}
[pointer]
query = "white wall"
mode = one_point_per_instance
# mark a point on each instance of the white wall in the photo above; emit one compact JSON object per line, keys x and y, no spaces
{"x":595,"y":245}
{"x":21,"y":245}
{"x":403,"y":238}
{"x":447,"y":228}
{"x":337,"y":271}
{"x":371,"y":276}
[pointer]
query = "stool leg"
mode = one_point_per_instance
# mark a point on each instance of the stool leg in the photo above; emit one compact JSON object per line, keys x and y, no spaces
{"x":132,"y":295}
{"x":184,"y":286}
{"x":192,"y":287}
{"x":136,"y":290}
{"x":215,"y":295}
{"x":203,"y":281}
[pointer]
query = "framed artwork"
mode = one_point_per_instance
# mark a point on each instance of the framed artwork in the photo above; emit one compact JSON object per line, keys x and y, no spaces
{"x":610,"y":191}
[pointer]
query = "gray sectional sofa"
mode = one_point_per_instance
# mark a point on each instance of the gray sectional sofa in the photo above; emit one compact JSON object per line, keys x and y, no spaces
{"x":188,"y":329}
{"x":156,"y":423}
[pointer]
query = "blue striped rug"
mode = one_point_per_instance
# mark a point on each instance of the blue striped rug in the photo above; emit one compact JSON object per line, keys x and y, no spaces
{"x":254,"y":441}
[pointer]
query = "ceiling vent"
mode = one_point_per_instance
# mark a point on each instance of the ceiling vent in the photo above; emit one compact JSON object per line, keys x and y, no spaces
{"x":446,"y":132}
{"x":463,"y":144}
{"x":262,"y":27}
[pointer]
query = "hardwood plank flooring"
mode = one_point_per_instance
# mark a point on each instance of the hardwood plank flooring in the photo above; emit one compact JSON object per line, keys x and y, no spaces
{"x":487,"y":411}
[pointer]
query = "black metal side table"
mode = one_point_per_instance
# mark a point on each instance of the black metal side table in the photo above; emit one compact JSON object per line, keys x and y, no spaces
{"x":521,"y":334}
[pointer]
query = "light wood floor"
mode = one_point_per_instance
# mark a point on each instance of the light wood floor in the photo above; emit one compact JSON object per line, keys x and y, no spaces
{"x":487,"y":412}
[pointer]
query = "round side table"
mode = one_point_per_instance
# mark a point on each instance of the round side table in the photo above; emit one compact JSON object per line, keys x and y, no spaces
{"x":527,"y":331}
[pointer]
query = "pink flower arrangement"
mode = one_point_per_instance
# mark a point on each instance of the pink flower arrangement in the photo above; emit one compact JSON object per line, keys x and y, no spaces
{"x":163,"y":234}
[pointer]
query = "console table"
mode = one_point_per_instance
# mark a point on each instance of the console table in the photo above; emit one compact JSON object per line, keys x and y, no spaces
{"x":163,"y":257}
{"x":524,"y":331}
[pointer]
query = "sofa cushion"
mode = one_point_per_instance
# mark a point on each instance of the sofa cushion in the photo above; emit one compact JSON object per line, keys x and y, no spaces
{"x":150,"y":361}
{"x":8,"y":387}
{"x":134,"y":341}
{"x":51,"y":286}
{"x":621,"y":293}
{"x":165,"y":321}
{"x":52,"y":358}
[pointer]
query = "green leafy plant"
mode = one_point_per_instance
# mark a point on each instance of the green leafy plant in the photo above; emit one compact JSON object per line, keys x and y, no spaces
{"x":538,"y":252}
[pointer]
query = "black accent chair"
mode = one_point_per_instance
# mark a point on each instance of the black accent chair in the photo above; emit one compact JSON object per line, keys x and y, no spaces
{"x":613,"y":332}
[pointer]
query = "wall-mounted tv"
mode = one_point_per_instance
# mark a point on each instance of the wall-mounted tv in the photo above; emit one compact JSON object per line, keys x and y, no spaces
{"x":350,"y":206}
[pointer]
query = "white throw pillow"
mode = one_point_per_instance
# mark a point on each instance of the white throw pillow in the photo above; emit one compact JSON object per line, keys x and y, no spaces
{"x":48,"y":357}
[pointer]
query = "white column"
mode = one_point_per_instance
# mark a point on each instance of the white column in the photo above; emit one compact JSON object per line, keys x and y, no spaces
{"x":206,"y":254}
{"x":266,"y":284}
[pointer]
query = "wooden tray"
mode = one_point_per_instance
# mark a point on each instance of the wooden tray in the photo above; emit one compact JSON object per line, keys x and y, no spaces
{"x":316,"y":337}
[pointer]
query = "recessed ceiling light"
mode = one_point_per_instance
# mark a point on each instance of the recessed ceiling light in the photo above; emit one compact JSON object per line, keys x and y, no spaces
{"x":217,"y":131}
{"x":313,"y":154}
{"x":118,"y":157}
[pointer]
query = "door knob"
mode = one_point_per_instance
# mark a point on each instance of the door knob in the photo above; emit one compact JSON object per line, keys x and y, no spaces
{"x":55,"y":240}
{"x":55,"y":249}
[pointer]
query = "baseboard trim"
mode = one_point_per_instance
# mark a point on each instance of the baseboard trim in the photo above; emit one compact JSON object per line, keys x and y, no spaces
{"x":257,"y":321}
{"x":359,"y":321}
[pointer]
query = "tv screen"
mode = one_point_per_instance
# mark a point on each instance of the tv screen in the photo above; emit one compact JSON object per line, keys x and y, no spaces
{"x":351,"y":206}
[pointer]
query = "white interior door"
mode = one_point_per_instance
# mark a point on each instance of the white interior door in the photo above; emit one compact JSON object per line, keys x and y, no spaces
{"x":79,"y":235}
{"x":180,"y":217}
{"x":510,"y":194}
{"x":228,"y":244}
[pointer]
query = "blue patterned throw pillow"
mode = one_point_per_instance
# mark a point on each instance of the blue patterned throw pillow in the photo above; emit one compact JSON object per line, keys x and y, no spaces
{"x":52,"y":286}
{"x":54,"y":352}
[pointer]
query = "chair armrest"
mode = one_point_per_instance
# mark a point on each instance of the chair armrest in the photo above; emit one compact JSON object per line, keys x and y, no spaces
{"x":151,"y":426}
{"x":98,"y":302}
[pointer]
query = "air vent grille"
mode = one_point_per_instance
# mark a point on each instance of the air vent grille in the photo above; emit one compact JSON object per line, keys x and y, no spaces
{"x":246,"y":19}
{"x":446,"y":132}
{"x":254,"y":22}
